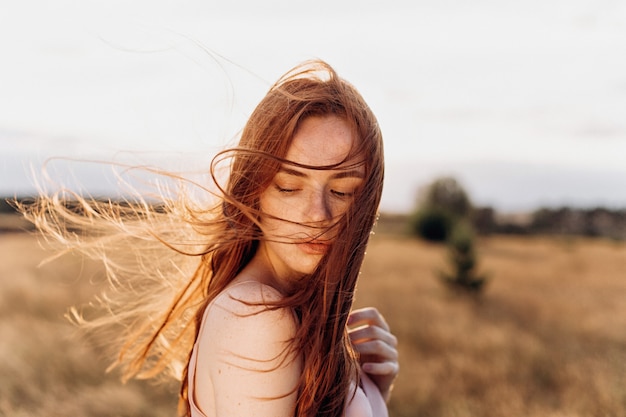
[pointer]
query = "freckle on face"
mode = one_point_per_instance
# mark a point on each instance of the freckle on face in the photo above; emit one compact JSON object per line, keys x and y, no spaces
{"x":309,"y":199}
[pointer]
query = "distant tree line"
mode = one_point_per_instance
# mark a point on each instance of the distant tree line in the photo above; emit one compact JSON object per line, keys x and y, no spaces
{"x":5,"y":207}
{"x":592,"y":222}
{"x":444,"y":201}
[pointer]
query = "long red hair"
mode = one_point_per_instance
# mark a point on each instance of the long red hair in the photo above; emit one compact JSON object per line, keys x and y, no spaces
{"x":323,"y":304}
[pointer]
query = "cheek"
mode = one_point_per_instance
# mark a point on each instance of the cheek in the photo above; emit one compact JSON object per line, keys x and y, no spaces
{"x":273,"y":205}
{"x":272,"y":211}
{"x":339,"y":208}
{"x":270,"y":208}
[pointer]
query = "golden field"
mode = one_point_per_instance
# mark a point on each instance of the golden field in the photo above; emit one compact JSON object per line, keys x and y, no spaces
{"x":547,"y":338}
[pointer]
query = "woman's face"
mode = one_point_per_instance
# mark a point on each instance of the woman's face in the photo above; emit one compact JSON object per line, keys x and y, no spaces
{"x":300,"y":204}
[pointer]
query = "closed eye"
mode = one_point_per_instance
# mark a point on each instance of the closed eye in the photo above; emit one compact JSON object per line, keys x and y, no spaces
{"x":341,"y":194}
{"x":285,"y":190}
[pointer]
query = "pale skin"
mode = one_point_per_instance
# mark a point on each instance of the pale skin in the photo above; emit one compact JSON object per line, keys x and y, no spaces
{"x":242,"y":366}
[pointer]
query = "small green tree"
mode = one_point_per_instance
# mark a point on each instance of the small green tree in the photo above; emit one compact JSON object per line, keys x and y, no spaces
{"x":447,"y":193}
{"x":433,"y":224}
{"x":462,"y":273}
{"x":441,"y":205}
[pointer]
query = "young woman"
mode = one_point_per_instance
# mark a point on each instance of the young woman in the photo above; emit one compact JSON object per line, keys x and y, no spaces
{"x":251,"y":307}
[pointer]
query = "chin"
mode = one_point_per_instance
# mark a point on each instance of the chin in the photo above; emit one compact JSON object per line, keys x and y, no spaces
{"x":306,"y":265}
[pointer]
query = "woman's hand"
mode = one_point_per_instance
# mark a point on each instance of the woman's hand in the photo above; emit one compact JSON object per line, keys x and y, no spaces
{"x":377,"y":347}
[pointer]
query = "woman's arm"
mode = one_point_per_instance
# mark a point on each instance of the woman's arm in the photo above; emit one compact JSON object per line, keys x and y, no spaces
{"x":377,"y":348}
{"x":244,"y":367}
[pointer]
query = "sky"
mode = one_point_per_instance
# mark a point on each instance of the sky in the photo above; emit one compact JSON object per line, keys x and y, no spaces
{"x":523,"y":102}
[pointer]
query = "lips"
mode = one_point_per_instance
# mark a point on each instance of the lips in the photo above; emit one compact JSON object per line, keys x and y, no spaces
{"x":314,"y":248}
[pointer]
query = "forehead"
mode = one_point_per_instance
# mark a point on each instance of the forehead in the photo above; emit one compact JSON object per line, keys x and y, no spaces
{"x":320,"y":141}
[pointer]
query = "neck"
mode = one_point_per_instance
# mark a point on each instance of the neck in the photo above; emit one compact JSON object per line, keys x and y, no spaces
{"x":261,"y":269}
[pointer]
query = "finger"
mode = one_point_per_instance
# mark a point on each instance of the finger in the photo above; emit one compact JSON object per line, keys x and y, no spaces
{"x":376,"y":349}
{"x":368,"y":315}
{"x":381,"y":368}
{"x":367,"y":333}
{"x":365,"y":315}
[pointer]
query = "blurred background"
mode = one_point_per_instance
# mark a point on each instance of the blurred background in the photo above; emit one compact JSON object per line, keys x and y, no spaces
{"x":500,"y":254}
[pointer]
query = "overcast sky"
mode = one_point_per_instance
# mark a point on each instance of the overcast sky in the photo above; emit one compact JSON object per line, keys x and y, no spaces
{"x":524,"y":102}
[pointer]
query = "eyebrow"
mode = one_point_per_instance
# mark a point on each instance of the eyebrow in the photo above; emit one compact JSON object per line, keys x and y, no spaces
{"x":351,"y":173}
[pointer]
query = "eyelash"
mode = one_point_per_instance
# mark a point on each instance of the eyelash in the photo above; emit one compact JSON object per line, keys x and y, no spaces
{"x":338,"y":194}
{"x":285,"y":190}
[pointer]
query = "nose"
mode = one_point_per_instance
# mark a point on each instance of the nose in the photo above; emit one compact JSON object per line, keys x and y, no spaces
{"x":318,"y":208}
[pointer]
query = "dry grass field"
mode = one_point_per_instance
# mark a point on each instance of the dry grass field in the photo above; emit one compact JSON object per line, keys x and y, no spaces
{"x":547,"y":338}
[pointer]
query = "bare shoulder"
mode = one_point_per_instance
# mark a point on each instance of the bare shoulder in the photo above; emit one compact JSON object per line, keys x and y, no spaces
{"x":242,"y":322}
{"x":247,"y":296}
{"x":245,"y":361}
